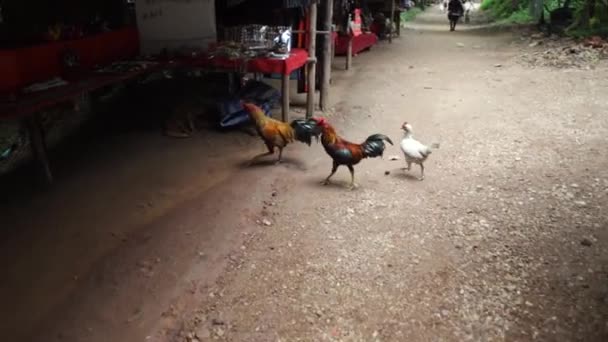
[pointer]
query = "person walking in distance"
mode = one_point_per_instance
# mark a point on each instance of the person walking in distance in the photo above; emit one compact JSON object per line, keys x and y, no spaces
{"x":455,"y":11}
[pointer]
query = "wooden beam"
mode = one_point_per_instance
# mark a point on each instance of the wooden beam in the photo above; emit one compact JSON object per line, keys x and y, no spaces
{"x":312,"y":66}
{"x":392,"y":21}
{"x":327,"y":50}
{"x":398,"y":23}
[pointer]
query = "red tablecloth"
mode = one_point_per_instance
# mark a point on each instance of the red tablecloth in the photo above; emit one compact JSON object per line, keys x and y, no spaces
{"x":31,"y":103}
{"x":360,"y":43}
{"x":23,"y":66}
{"x":296,"y":60}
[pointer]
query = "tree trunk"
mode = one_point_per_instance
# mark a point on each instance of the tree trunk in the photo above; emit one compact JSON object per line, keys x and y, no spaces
{"x":537,"y":10}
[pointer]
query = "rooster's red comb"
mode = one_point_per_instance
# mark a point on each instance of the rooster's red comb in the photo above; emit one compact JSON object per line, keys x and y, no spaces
{"x":320,"y":120}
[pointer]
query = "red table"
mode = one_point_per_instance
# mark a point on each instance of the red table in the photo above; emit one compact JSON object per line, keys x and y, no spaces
{"x":28,"y":106}
{"x":360,"y":43}
{"x":296,"y":60}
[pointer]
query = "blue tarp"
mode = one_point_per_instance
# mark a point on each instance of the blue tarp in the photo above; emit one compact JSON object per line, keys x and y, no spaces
{"x":231,"y":110}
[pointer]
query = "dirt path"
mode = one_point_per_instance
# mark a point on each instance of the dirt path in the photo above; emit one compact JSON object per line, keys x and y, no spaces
{"x":506,"y":239}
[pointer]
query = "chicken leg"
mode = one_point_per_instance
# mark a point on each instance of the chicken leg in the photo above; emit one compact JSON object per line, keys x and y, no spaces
{"x":409,"y":166}
{"x":352,"y":185}
{"x":280,"y":156}
{"x":334,"y":168}
{"x":270,"y":152}
{"x":421,"y":172}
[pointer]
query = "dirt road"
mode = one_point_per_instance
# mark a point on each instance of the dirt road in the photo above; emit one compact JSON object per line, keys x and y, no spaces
{"x":506,"y":239}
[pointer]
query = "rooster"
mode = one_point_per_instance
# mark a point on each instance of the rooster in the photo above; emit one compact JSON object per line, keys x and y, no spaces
{"x":413,"y":150}
{"x":346,"y":153}
{"x":278,"y":134}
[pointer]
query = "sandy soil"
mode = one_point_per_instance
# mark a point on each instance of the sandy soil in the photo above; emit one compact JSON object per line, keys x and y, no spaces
{"x":506,"y":239}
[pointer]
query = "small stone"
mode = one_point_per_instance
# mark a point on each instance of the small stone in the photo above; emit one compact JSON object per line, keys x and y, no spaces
{"x":393,"y":158}
{"x":460,"y":45}
{"x":203,"y":332}
{"x":517,"y":159}
{"x":497,"y":65}
{"x":386,"y":173}
{"x":266,"y":222}
{"x":586,"y":242}
{"x":580,"y":203}
{"x":219,"y":332}
{"x":216,"y":321}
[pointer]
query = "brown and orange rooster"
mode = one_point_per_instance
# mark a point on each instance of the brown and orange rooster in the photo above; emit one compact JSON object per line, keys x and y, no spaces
{"x":278,"y":134}
{"x":346,"y":153}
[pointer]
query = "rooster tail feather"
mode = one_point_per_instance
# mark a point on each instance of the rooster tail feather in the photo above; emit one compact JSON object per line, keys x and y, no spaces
{"x":304,"y":130}
{"x":374,"y":145}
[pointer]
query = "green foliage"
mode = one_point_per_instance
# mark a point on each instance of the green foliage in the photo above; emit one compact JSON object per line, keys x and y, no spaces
{"x":579,"y":33}
{"x":517,"y":12}
{"x":508,"y":11}
{"x":487,"y":4}
{"x":411,"y":14}
{"x":521,"y":16}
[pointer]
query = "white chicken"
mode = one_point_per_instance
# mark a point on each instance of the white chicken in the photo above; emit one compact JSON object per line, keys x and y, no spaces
{"x":414,"y":151}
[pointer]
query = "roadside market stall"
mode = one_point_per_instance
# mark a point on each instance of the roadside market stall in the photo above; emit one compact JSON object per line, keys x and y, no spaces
{"x":69,"y":60}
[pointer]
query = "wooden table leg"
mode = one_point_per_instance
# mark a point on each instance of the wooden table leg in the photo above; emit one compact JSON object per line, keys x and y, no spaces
{"x":285,"y":97}
{"x":38,"y":146}
{"x":349,"y":53}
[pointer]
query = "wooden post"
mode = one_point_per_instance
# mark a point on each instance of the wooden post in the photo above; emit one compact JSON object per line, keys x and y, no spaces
{"x":38,"y":146}
{"x":312,"y":64}
{"x":285,"y":97}
{"x":327,"y":57}
{"x":333,"y":51}
{"x":349,"y":51}
{"x":398,"y":22}
{"x":392,"y":21}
